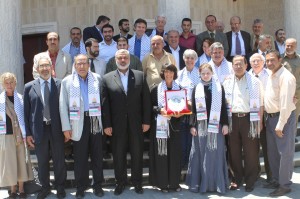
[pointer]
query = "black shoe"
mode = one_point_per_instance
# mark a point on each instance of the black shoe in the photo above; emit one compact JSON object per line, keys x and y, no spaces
{"x":61,"y":194}
{"x":280,"y":191}
{"x":249,"y":189}
{"x":138,"y":189}
{"x":99,"y":192}
{"x":119,"y":189}
{"x":43,"y":193}
{"x":79,"y":194}
{"x":12,"y":196}
{"x":106,"y":156}
{"x":271,"y":185}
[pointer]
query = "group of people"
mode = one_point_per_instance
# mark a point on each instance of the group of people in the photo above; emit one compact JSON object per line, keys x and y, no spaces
{"x":241,"y":93}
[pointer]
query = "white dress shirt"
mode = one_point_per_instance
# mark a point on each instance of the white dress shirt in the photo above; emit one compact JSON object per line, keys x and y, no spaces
{"x":107,"y":51}
{"x":175,"y":53}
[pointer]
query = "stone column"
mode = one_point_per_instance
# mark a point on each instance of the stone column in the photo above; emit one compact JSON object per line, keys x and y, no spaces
{"x":175,"y":11}
{"x":11,"y":52}
{"x":291,"y":20}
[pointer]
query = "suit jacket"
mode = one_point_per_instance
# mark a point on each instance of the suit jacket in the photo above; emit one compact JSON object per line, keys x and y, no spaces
{"x":219,"y":37}
{"x":135,"y":64}
{"x":34,"y":109}
{"x":116,"y":37}
{"x":91,"y":32}
{"x":247,"y":42}
{"x":117,"y":106}
{"x":63,"y":64}
{"x":77,"y":125}
{"x":181,"y":51}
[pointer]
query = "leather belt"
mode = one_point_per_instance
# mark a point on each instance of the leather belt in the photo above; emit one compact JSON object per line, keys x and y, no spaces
{"x":240,"y":114}
{"x":273,"y":114}
{"x":86,"y":113}
{"x":47,"y":123}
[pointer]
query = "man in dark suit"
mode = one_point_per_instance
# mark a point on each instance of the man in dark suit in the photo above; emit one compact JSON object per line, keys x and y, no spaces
{"x":210,"y":23}
{"x":126,"y":115}
{"x":175,"y":49}
{"x":238,"y":40}
{"x":95,"y":31}
{"x":43,"y":127}
{"x":124,"y":29}
{"x":280,"y":41}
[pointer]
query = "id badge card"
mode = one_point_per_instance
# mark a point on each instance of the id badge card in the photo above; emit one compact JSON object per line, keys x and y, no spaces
{"x":94,"y":105}
{"x":74,"y":108}
{"x":213,"y":125}
{"x":254,"y":110}
{"x":201,"y":109}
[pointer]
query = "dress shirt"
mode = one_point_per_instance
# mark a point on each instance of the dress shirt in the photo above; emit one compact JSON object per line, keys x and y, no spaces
{"x":42,"y":83}
{"x":233,"y":49}
{"x":175,"y":53}
{"x":281,"y":47}
{"x":74,"y":51}
{"x":203,"y":59}
{"x":124,"y":80}
{"x":152,"y":67}
{"x":279,"y":95}
{"x":214,"y":33}
{"x":107,"y":51}
{"x":262,"y":53}
{"x":262,"y":76}
{"x":241,"y":95}
{"x":84,"y":92}
{"x":188,"y":43}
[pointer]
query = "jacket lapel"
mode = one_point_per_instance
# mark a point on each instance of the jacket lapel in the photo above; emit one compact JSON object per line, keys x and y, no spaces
{"x":37,"y":89}
{"x":117,"y":79}
{"x":131,"y":81}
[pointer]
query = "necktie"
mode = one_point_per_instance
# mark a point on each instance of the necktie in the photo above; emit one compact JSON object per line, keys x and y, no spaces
{"x":46,"y":101}
{"x":92,"y":65}
{"x":238,"y":50}
{"x":256,"y":76}
{"x":212,"y":35}
{"x":256,"y":42}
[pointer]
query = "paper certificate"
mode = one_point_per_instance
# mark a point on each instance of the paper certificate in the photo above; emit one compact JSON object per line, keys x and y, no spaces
{"x":176,"y":102}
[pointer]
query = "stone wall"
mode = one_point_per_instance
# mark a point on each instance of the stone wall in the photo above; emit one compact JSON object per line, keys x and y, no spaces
{"x":82,"y":13}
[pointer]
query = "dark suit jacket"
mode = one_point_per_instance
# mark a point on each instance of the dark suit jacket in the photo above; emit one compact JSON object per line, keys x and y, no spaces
{"x":247,"y":42}
{"x":91,"y":32}
{"x":219,"y":37}
{"x":181,"y":51}
{"x":119,"y":108}
{"x":116,"y":37}
{"x":34,"y":108}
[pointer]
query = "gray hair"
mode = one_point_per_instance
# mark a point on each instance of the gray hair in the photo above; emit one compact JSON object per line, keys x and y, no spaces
{"x":173,"y":30}
{"x":162,"y":16}
{"x":259,"y":55}
{"x":263,"y":37}
{"x":122,"y":51}
{"x":43,"y":56}
{"x":190,"y":53}
{"x":258,"y":21}
{"x":7,"y":75}
{"x":217,"y":45}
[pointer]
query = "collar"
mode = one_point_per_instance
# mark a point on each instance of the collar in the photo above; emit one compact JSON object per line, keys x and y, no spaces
{"x":105,"y":44}
{"x":165,"y":53}
{"x":172,"y":49}
{"x":211,"y":32}
{"x":42,"y":80}
{"x":278,"y":73}
{"x":295,"y":55}
{"x":261,"y":52}
{"x":53,"y":55}
{"x":242,"y":79}
{"x":74,"y":45}
{"x":189,"y":35}
{"x":122,"y":74}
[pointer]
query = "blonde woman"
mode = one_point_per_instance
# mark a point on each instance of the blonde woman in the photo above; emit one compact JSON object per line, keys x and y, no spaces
{"x":15,"y":164}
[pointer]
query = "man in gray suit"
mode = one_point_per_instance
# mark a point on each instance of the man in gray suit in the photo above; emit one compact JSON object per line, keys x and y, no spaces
{"x":210,"y":23}
{"x":43,"y":126}
{"x":61,"y":62}
{"x":80,"y":112}
{"x":126,"y":115}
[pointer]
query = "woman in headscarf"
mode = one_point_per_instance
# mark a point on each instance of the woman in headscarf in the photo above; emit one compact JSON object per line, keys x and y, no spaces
{"x":165,"y":137}
{"x":207,"y":170}
{"x":15,"y":163}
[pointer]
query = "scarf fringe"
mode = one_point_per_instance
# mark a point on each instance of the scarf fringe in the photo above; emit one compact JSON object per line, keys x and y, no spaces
{"x":202,"y":128}
{"x":162,"y":146}
{"x":212,"y":141}
{"x":254,"y":131}
{"x":95,"y":127}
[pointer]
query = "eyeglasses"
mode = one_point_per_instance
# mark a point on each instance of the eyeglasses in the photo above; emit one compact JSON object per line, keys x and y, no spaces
{"x":45,"y":66}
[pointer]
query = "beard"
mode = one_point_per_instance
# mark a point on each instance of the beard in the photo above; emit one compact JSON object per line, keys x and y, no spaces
{"x":122,"y":67}
{"x":94,"y":53}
